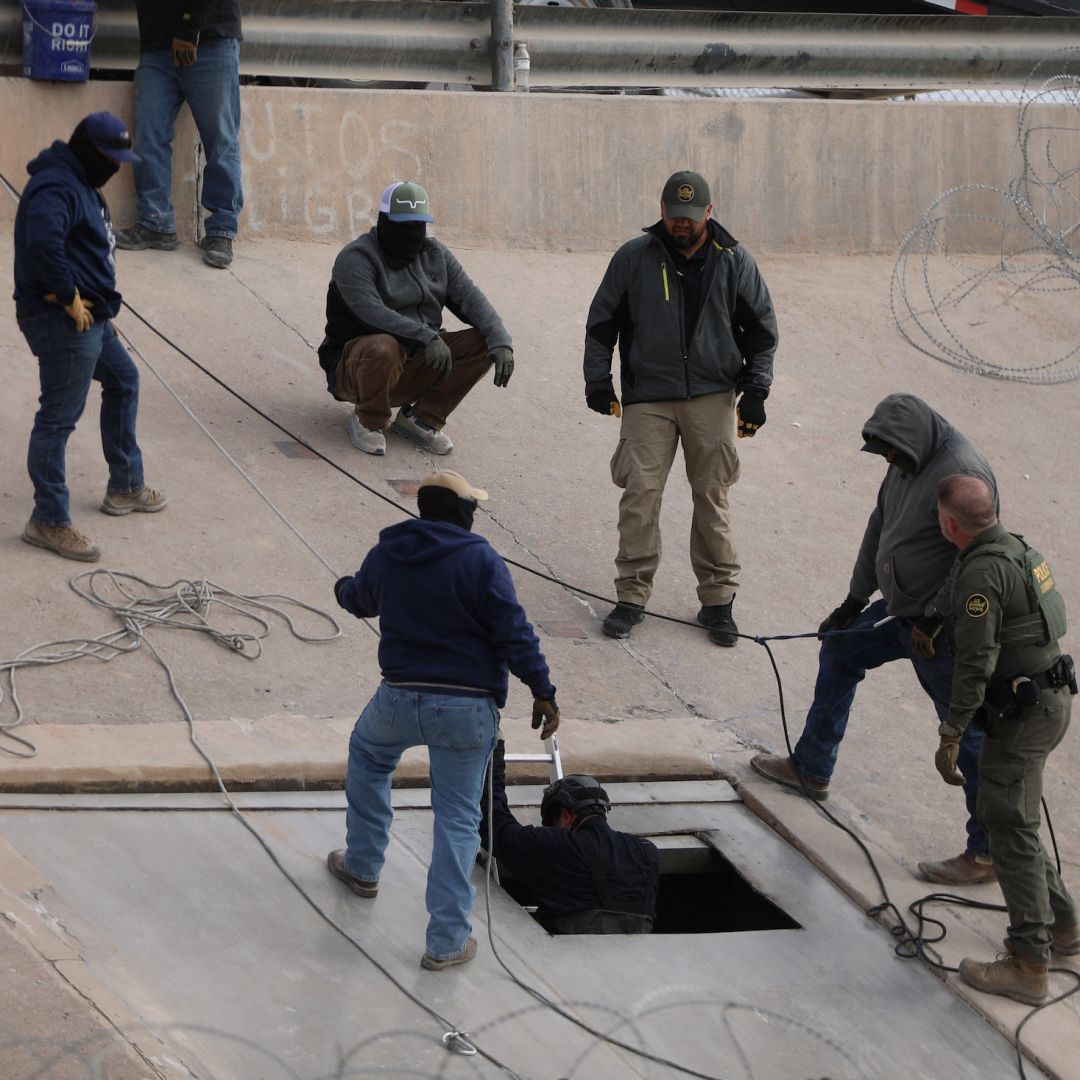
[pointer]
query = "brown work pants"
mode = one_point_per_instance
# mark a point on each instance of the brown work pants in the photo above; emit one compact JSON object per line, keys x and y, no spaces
{"x":375,"y":374}
{"x":648,"y":439}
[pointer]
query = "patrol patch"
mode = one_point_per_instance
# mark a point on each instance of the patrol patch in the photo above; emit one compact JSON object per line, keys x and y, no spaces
{"x":685,"y":193}
{"x":977,"y":605}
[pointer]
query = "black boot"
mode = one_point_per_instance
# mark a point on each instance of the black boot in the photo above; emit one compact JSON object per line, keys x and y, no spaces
{"x":716,"y":618}
{"x":623,"y":618}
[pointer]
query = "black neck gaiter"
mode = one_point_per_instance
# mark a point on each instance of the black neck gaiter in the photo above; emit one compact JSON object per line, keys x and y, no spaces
{"x":441,"y":504}
{"x":400,"y":241}
{"x":99,"y":168}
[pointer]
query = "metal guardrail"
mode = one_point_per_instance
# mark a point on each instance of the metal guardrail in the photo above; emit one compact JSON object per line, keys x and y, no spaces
{"x":417,"y":41}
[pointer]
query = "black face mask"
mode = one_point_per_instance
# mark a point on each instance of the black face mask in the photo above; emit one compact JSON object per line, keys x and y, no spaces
{"x":401,"y":241}
{"x":99,"y":169}
{"x":441,"y":504}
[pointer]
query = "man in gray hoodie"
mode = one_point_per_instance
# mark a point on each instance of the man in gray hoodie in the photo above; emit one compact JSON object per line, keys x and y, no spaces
{"x":905,"y":557}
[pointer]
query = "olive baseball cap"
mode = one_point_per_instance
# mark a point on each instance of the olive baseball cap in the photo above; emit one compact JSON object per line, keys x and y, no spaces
{"x":686,"y":195}
{"x":455,"y":482}
{"x":405,"y":201}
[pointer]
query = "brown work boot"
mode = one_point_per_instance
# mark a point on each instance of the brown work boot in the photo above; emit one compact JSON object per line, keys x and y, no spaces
{"x":146,"y":500}
{"x":1066,"y":940}
{"x":966,"y":869}
{"x":1010,"y":975}
{"x":429,"y":963}
{"x":782,"y":770}
{"x":63,"y":539}
{"x":335,"y":863}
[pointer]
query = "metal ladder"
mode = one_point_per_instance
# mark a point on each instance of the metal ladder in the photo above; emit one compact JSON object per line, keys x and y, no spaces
{"x":551,"y":757}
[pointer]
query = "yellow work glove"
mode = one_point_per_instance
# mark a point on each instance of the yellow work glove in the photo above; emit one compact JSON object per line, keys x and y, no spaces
{"x":922,"y":637}
{"x":545,"y":713}
{"x":945,"y":759}
{"x":78,"y":309}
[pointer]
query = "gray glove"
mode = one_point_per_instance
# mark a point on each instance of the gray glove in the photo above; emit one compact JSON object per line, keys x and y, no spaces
{"x":437,"y":355}
{"x":502,"y":356}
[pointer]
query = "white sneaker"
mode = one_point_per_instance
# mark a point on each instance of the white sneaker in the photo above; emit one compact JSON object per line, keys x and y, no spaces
{"x":438,"y":442}
{"x":370,"y":442}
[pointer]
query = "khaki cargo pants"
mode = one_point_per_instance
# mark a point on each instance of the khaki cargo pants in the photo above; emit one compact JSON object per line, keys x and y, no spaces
{"x":1011,"y":764}
{"x":649,"y":436}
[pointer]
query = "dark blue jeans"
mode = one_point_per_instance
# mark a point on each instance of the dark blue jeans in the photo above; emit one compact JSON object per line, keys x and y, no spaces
{"x":211,"y":87}
{"x":842,"y":665}
{"x":67,"y":364}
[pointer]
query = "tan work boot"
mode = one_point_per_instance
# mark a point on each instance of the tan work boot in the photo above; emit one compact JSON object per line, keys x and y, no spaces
{"x":782,"y":770}
{"x":146,"y":500}
{"x":1010,"y":975}
{"x":1066,"y":940}
{"x":966,"y":869}
{"x":63,"y":539}
{"x":429,"y":963}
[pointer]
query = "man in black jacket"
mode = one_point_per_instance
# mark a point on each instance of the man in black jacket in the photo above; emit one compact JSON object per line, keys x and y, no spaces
{"x":695,"y":327}
{"x":585,"y":877}
{"x":189,"y":50}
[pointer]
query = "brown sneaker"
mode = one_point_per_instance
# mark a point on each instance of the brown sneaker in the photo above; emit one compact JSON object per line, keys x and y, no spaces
{"x":146,"y":500}
{"x":429,"y":963}
{"x":1066,"y":940}
{"x":63,"y":539}
{"x":1009,"y":975}
{"x":782,"y":770}
{"x":335,"y":863}
{"x":966,"y":869}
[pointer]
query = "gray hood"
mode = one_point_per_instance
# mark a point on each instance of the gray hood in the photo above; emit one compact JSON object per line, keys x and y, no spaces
{"x":909,"y":424}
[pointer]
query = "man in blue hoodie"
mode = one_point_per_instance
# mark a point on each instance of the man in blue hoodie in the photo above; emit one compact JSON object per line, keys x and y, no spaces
{"x":65,"y":295}
{"x":451,"y":631}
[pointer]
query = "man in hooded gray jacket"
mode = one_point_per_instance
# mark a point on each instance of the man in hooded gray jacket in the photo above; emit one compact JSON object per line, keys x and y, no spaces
{"x":904,"y":555}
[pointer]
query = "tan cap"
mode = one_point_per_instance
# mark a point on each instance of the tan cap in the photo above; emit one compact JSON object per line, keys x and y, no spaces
{"x":457,"y":483}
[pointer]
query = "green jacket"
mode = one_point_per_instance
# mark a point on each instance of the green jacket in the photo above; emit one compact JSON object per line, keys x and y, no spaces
{"x":639,"y":305}
{"x":1005,"y":619}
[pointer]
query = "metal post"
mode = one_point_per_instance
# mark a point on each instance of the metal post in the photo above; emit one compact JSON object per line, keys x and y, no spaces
{"x":502,"y":45}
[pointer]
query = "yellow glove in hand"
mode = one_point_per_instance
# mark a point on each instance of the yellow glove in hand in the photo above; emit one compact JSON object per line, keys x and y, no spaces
{"x":545,"y":713}
{"x":78,"y":309}
{"x":945,"y":760}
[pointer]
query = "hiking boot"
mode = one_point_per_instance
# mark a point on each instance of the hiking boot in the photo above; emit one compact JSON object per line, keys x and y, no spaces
{"x":63,"y":539}
{"x":1066,"y":940}
{"x":716,"y":618}
{"x":216,"y":251}
{"x":623,"y":617}
{"x":335,"y":863}
{"x":139,"y":238}
{"x":782,"y":770}
{"x":429,"y":963}
{"x":438,"y":442}
{"x":365,"y":439}
{"x":146,"y":500}
{"x":1010,"y":975}
{"x":966,"y":869}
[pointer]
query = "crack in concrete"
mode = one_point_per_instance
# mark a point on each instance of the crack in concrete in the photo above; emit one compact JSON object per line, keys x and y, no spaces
{"x":284,"y":322}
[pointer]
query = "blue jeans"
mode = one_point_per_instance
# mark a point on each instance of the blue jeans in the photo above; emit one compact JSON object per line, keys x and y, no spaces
{"x":842,"y":665}
{"x":211,"y":87}
{"x":67,"y":363}
{"x":459,"y":732}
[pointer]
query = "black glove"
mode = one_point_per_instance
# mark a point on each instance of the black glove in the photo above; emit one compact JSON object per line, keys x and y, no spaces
{"x":751,"y":413}
{"x":502,"y":356}
{"x":338,"y":586}
{"x":604,"y":402}
{"x":545,"y":712}
{"x":843,"y":616}
{"x":922,"y":636}
{"x":437,"y":355}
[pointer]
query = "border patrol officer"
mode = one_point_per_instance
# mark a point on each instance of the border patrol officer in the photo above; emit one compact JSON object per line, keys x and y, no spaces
{"x":1011,"y":679}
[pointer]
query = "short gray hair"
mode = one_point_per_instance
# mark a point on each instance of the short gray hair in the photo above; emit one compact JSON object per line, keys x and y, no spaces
{"x":970,"y":500}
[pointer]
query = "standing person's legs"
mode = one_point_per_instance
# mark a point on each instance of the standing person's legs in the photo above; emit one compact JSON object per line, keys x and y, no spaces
{"x":388,"y":725}
{"x":119,"y":378}
{"x":211,"y":87}
{"x":434,"y":400}
{"x":648,"y":438}
{"x":66,"y":364}
{"x":367,"y":374}
{"x":707,"y":426}
{"x":157,"y":101}
{"x":460,"y":734}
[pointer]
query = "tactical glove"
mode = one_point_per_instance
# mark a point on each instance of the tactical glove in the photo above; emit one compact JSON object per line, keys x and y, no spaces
{"x":437,"y":356}
{"x":78,"y":309}
{"x":184,"y":52}
{"x":751,"y":413}
{"x":842,"y":617}
{"x":338,"y":586}
{"x":945,"y":759}
{"x":922,"y":636}
{"x":502,"y":356}
{"x":545,"y":713}
{"x":604,"y":402}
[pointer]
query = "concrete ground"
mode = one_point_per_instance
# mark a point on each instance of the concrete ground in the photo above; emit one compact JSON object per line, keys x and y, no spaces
{"x":664,"y":702}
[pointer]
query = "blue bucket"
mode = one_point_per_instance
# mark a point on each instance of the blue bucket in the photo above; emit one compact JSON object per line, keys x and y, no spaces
{"x":56,"y":39}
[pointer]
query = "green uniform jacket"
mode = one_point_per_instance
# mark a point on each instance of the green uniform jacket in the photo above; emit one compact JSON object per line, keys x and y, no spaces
{"x":989,"y":591}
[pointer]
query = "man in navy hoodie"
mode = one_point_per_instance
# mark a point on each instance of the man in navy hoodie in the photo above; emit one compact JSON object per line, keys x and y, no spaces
{"x":452,"y":629}
{"x":65,"y":295}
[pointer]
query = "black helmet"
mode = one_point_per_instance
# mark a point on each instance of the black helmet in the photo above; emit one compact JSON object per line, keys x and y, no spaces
{"x":578,"y":793}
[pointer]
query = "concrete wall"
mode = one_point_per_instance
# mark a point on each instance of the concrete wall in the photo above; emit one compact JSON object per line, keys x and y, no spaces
{"x":578,"y":172}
